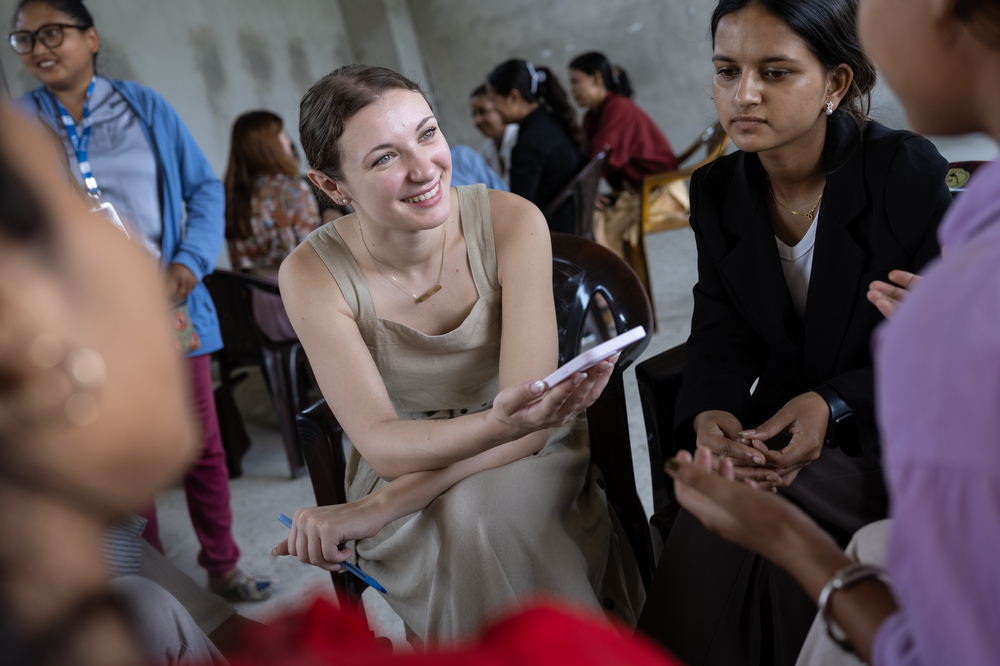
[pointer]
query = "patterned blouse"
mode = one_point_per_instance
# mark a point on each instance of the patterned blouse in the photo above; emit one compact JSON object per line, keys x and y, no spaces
{"x":283,"y":212}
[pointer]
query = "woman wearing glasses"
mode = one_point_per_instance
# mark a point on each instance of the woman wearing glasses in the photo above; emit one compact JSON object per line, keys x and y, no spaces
{"x":128,"y":147}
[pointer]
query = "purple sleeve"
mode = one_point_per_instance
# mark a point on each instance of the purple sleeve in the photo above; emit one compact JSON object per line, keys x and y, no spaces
{"x":943,"y":552}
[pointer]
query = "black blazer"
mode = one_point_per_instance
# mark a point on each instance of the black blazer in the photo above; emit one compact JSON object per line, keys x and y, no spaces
{"x":885,"y":195}
{"x":543,"y":160}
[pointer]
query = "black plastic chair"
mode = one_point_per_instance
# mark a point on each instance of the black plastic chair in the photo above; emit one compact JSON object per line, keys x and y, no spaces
{"x":583,"y":190}
{"x":659,"y":379}
{"x":582,"y":270}
{"x":322,"y":441}
{"x":245,"y":344}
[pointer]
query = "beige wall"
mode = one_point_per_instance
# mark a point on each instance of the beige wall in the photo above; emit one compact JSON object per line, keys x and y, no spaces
{"x":215,"y":59}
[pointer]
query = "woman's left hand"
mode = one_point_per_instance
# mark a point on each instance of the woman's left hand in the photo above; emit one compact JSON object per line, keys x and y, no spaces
{"x":318,"y":532}
{"x":805,"y":418}
{"x":737,"y":511}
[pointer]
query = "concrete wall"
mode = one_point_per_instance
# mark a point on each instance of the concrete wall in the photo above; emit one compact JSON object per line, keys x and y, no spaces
{"x":383,"y":34}
{"x":213,"y":60}
{"x":664,"y":46}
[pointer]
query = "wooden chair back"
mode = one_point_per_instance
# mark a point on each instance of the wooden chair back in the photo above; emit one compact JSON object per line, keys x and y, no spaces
{"x":713,"y":140}
{"x":583,"y":190}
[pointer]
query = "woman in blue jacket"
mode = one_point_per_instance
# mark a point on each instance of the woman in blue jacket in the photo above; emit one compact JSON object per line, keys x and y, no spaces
{"x":128,"y":147}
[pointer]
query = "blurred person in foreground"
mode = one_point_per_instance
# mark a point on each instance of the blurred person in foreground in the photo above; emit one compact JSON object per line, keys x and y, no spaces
{"x":128,"y":147}
{"x":82,"y":328}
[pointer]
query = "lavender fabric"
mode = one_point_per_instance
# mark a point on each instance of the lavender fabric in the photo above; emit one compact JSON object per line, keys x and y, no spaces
{"x":938,"y":384}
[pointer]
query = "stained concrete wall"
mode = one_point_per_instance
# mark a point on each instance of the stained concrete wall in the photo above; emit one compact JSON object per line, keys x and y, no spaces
{"x":663,"y":44}
{"x":213,"y":60}
{"x":383,"y":34}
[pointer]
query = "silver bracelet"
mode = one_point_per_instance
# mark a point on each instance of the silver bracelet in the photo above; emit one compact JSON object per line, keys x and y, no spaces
{"x":846,"y":577}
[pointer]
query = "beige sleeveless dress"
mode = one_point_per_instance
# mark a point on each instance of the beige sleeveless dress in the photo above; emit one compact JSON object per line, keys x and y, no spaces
{"x":536,"y":527}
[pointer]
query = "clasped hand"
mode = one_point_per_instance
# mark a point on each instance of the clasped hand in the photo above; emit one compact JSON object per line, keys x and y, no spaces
{"x":317,"y":534}
{"x":804,"y":417}
{"x":535,"y":406}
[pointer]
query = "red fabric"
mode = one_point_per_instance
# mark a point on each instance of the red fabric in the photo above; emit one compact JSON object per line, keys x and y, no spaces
{"x":640,"y":148}
{"x":544,"y":633}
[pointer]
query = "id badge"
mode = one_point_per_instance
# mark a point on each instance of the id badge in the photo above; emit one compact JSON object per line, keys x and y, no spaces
{"x":108,"y":212}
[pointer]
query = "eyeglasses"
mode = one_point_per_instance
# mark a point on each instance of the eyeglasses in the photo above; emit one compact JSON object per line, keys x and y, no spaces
{"x":50,"y":35}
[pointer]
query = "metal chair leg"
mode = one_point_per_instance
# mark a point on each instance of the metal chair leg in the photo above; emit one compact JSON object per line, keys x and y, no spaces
{"x":276,"y":367}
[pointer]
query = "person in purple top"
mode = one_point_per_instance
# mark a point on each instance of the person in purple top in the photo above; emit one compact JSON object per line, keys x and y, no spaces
{"x":937,"y":387}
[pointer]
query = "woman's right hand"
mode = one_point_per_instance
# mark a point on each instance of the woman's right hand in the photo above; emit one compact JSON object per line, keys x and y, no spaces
{"x":758,"y":521}
{"x":317,"y":533}
{"x":533,"y":406}
{"x":721,"y":433}
{"x":887,"y":296}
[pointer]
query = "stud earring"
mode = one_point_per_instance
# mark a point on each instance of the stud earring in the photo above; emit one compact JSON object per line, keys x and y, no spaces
{"x":86,"y":371}
{"x":343,"y":201}
{"x":829,"y":108}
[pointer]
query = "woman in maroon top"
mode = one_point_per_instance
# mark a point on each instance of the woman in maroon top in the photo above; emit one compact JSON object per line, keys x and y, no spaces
{"x":638,"y":148}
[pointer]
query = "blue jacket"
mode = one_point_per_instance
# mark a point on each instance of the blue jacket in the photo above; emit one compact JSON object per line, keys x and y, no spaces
{"x":468,"y":168}
{"x":186,"y":183}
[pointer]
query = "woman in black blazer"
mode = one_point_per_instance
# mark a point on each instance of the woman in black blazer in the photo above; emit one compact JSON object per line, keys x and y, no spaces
{"x":548,"y":152}
{"x":816,"y":181}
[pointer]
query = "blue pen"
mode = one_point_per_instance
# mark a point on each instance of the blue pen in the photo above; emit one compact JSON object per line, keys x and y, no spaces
{"x":287,"y":522}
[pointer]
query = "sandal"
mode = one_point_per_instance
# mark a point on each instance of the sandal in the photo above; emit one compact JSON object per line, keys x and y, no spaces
{"x":243,"y":587}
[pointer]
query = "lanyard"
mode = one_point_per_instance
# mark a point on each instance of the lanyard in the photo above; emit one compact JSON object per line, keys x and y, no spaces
{"x":81,"y":140}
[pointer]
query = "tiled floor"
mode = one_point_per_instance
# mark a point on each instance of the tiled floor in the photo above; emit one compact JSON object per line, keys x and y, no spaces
{"x":265,"y":489}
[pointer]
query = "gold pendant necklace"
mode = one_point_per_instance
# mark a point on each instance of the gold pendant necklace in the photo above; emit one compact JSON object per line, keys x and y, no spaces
{"x":809,"y":216}
{"x":385,"y":269}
